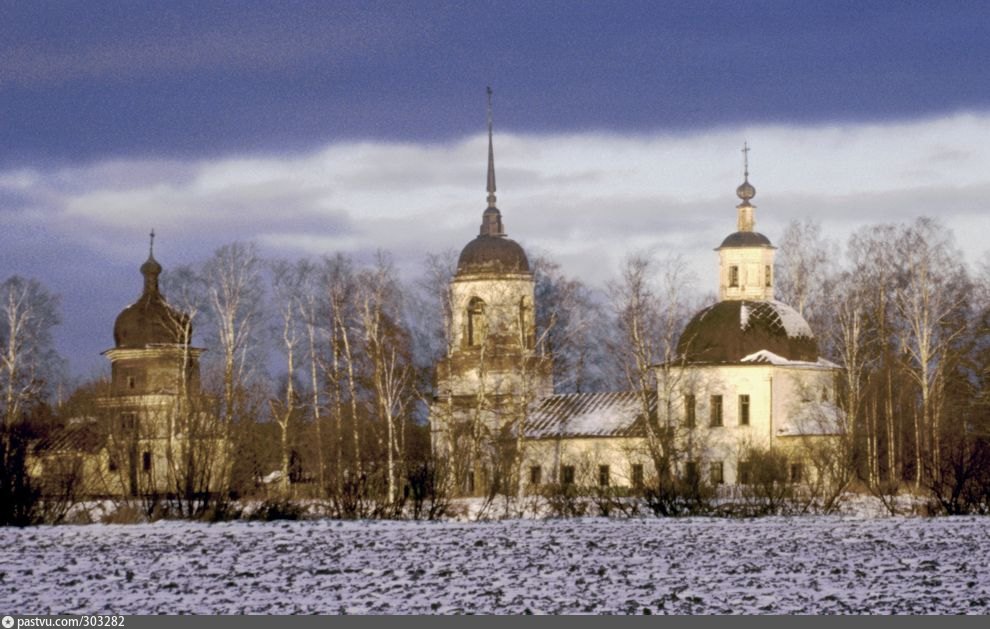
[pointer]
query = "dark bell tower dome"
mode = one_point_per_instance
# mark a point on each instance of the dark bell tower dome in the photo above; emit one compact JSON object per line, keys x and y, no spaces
{"x":150,"y":320}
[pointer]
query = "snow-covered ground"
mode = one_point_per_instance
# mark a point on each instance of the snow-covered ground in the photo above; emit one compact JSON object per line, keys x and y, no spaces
{"x":814,"y":564}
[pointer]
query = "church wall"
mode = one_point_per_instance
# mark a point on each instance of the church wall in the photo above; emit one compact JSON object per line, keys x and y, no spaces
{"x":585,"y":455}
{"x":775,"y":393}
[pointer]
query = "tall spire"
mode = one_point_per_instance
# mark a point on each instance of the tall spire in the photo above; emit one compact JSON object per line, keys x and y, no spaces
{"x":491,"y":155}
{"x":491,"y":219}
{"x":151,"y":245}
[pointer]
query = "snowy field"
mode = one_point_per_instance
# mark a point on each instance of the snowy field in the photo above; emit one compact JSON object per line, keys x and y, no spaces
{"x":773,"y":565}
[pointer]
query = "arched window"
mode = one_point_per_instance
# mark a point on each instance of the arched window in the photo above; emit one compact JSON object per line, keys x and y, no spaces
{"x":475,"y":322}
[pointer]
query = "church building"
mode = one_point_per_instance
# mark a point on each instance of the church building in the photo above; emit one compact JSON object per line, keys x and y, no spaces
{"x":747,"y":378}
{"x":151,"y":430}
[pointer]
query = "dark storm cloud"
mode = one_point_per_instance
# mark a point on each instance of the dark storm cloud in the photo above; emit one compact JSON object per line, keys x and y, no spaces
{"x":86,"y":81}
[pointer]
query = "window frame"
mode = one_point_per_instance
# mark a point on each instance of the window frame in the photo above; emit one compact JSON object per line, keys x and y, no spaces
{"x":567,"y":474}
{"x":637,"y":475}
{"x":535,"y":475}
{"x":744,"y":409}
{"x":716,"y":412}
{"x":716,"y":473}
{"x":690,"y":410}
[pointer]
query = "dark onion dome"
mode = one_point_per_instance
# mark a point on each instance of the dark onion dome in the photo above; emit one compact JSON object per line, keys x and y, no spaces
{"x":150,"y":320}
{"x":745,"y":239}
{"x":746,"y":191}
{"x":733,"y":329}
{"x":492,"y":254}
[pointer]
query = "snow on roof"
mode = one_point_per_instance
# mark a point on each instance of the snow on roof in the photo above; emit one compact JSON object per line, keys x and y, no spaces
{"x":616,"y":414}
{"x":793,"y":322}
{"x":767,"y":357}
{"x":813,"y":418}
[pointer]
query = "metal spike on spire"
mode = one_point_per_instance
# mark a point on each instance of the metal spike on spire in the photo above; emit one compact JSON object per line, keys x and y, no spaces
{"x":745,"y":152}
{"x":151,"y":245}
{"x":491,"y":155}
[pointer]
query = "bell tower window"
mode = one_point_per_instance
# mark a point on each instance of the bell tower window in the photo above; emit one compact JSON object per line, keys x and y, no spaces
{"x":475,"y":322}
{"x":734,"y":276}
{"x":767,"y":276}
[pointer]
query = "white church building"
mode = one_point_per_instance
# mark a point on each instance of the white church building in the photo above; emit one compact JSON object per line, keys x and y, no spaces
{"x":747,"y":377}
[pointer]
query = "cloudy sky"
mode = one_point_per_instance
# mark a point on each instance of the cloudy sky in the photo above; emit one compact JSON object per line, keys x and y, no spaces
{"x":313,"y":128}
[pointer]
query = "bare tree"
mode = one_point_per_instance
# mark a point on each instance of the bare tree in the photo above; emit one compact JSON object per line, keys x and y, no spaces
{"x":388,"y":347}
{"x":235,"y":299}
{"x":29,"y":363}
{"x":288,"y":286}
{"x":932,"y":302}
{"x":803,"y":273}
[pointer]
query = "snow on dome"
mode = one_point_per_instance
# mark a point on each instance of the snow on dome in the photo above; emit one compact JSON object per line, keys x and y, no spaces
{"x":765,"y":357}
{"x":793,"y":322}
{"x":729,"y":330}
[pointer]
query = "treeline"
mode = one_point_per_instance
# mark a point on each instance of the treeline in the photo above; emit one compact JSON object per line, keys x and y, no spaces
{"x":319,"y":372}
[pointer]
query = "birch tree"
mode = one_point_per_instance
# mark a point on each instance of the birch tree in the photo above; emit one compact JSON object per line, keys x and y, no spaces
{"x":29,"y":363}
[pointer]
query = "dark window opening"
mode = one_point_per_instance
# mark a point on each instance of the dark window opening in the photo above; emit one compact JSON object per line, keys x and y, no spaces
{"x":743,"y":473}
{"x":637,"y":475}
{"x":475,"y":322}
{"x":112,"y":464}
{"x":470,"y":482}
{"x":567,"y":474}
{"x":146,"y":461}
{"x":535,"y":475}
{"x":691,"y":472}
{"x":131,"y":382}
{"x":716,"y":410}
{"x":744,"y":410}
{"x":734,"y":276}
{"x":689,"y":411}
{"x":767,"y":275}
{"x":715,"y":473}
{"x":603,"y":476}
{"x":797,"y":473}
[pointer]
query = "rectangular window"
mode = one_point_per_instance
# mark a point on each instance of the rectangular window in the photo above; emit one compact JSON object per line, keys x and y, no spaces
{"x":797,"y":472}
{"x":744,"y":410}
{"x":637,"y":475}
{"x":603,"y":476}
{"x":743,"y":473}
{"x":112,"y":464}
{"x":691,"y":472}
{"x":715,"y":474}
{"x":146,"y":461}
{"x":128,"y":422}
{"x":567,"y":474}
{"x":535,"y":475}
{"x":767,"y":276}
{"x":689,"y":410}
{"x":716,"y":410}
{"x":470,"y":482}
{"x":734,"y":276}
{"x":131,"y":382}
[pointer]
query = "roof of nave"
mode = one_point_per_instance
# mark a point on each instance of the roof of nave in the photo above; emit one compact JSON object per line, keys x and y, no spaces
{"x":615,"y":414}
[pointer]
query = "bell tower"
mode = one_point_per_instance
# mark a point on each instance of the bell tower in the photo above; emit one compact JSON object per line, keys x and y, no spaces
{"x":492,"y":373}
{"x":746,"y":256}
